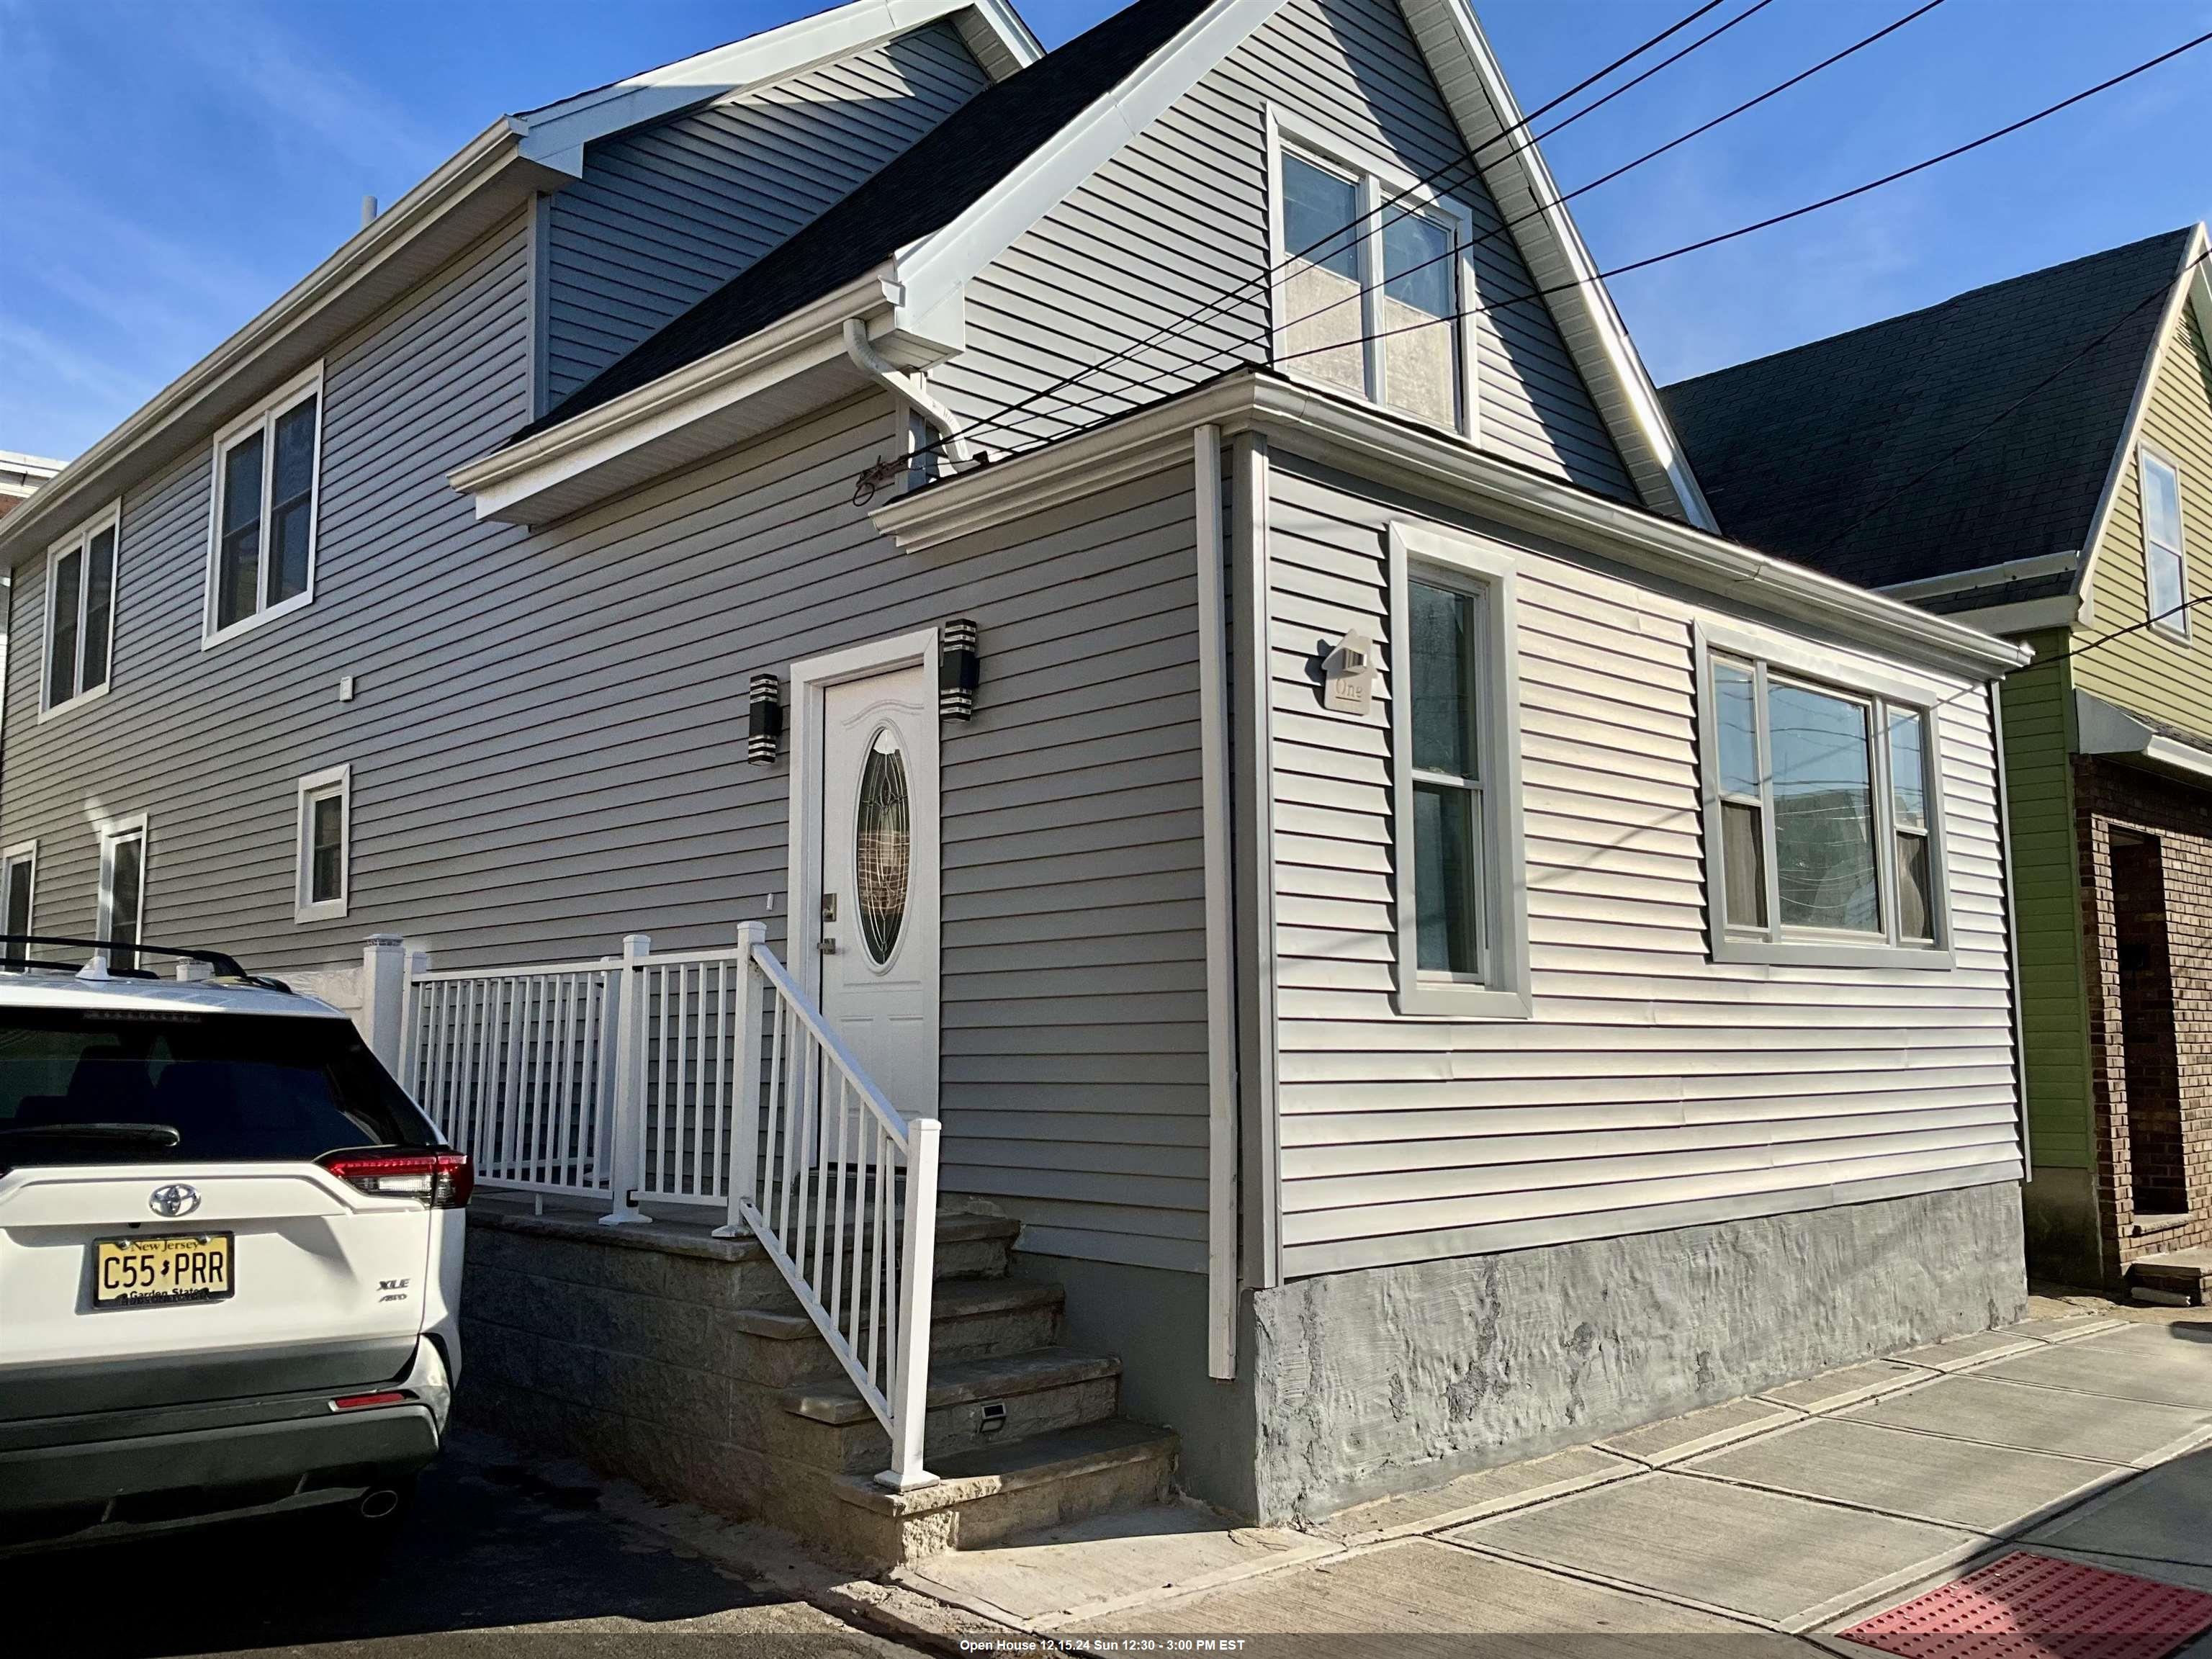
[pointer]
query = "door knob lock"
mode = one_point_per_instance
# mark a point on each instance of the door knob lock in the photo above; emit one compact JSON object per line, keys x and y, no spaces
{"x":828,"y":945}
{"x":828,"y":907}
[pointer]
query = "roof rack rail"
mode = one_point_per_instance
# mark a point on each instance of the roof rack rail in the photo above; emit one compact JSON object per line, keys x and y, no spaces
{"x":226,"y":966}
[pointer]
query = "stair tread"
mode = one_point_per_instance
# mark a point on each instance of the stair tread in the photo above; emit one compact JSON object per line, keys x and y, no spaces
{"x":1062,"y":1455}
{"x":952,"y":1298}
{"x":961,"y":1382}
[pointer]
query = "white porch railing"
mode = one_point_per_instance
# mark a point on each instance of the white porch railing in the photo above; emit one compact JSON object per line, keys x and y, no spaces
{"x":702,"y":1077}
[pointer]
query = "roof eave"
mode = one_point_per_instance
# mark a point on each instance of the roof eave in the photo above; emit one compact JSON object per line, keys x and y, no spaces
{"x":1438,"y":467}
{"x":2110,"y":732}
{"x":481,"y":186}
{"x":743,"y":389}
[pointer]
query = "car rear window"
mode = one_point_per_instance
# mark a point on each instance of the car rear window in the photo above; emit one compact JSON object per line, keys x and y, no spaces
{"x":234,"y":1088}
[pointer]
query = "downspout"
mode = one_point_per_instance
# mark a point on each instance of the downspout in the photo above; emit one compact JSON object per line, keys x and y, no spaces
{"x":1221,"y":1139}
{"x":907,"y":388}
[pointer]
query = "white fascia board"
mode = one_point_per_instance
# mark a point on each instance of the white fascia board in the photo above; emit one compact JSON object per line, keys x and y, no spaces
{"x":1985,"y":576}
{"x":468,"y":196}
{"x":1441,"y":468}
{"x":2101,"y":728}
{"x":2023,"y":615}
{"x":2198,"y":293}
{"x":555,"y":133}
{"x":936,"y":268}
{"x":1447,"y":29}
{"x":515,"y":483}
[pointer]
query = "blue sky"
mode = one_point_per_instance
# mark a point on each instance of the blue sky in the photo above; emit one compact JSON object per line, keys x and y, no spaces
{"x":168,"y":169}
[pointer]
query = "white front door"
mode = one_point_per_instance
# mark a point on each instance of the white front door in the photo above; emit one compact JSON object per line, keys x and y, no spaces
{"x":877,"y":907}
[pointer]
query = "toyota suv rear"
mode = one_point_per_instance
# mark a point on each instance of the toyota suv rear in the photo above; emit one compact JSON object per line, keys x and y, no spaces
{"x":230,"y":1256}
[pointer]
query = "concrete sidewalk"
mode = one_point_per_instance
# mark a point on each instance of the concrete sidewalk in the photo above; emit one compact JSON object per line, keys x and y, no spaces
{"x":1772,"y":1521}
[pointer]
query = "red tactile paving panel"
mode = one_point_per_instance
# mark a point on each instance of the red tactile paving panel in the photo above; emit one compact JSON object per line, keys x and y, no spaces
{"x":2031,"y":1607}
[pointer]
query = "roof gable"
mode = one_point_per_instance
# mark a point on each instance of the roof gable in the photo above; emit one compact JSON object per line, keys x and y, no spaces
{"x":1841,"y":453}
{"x":936,"y":216}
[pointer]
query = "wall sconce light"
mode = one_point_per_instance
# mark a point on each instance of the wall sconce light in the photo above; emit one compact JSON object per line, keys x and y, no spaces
{"x":764,"y":724}
{"x":959,"y":669}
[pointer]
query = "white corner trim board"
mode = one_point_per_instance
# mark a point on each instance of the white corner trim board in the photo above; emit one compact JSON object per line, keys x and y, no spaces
{"x":1214,"y":780}
{"x":1371,"y":443}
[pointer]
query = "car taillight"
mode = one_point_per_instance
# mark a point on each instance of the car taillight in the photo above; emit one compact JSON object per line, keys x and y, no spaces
{"x":356,"y":1402}
{"x":443,"y":1180}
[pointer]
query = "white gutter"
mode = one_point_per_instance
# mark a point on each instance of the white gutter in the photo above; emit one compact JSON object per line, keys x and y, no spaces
{"x":908,"y":389}
{"x":1985,"y":576}
{"x":2102,"y":729}
{"x":1442,"y":468}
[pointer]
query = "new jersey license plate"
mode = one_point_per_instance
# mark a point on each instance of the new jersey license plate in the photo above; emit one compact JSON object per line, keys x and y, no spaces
{"x":159,"y":1271}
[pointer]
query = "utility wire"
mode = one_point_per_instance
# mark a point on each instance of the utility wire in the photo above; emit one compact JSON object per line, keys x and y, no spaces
{"x":1206,"y":364}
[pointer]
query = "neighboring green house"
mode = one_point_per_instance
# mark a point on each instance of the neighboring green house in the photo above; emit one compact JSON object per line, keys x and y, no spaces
{"x":2036,"y":457}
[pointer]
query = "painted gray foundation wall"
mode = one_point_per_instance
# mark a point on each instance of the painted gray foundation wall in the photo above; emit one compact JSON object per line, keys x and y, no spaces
{"x":2065,"y":1241}
{"x":1377,"y":1382}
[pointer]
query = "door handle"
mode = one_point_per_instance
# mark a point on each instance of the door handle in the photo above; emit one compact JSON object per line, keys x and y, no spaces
{"x":828,"y":946}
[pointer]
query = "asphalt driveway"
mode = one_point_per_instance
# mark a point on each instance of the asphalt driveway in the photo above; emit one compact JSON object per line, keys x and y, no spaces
{"x":498,"y":1557}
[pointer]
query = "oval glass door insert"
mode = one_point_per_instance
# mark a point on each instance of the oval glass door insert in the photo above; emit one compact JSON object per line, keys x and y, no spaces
{"x":881,"y":846}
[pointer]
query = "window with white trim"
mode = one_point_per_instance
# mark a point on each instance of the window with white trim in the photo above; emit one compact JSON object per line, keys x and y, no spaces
{"x":1823,"y":841}
{"x":19,"y":885}
{"x":1373,"y":284}
{"x":325,"y":829}
{"x":79,"y":620}
{"x":1454,"y":710}
{"x":2165,"y":571}
{"x":261,"y":531}
{"x":123,"y":890}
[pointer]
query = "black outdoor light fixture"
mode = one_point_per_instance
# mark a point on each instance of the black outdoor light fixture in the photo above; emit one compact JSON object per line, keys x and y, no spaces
{"x":959,"y":668}
{"x":764,"y":724}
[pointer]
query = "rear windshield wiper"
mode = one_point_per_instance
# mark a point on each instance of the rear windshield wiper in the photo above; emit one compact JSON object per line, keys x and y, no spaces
{"x":149,"y":1134}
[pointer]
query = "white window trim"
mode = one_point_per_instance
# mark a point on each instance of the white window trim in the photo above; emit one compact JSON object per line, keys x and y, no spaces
{"x":2177,"y":626}
{"x":112,"y":831}
{"x":317,"y":785}
{"x":110,"y":517}
{"x":1782,"y":947}
{"x":1504,"y":990}
{"x":263,"y":418}
{"x":23,"y":852}
{"x":1378,"y":179}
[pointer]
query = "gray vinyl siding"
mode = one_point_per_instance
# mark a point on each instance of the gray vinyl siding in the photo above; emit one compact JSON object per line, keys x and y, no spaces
{"x":1652,"y":1087}
{"x":665,"y":215}
{"x":549,"y":747}
{"x":1179,"y":215}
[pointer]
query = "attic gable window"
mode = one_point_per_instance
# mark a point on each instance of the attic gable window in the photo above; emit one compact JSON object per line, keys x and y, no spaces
{"x":2166,"y":577}
{"x":1373,"y":280}
{"x":1823,"y":820}
{"x":261,"y":526}
{"x":80,"y":617}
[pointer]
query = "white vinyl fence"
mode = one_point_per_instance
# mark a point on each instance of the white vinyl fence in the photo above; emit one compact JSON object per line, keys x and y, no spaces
{"x":700,"y":1077}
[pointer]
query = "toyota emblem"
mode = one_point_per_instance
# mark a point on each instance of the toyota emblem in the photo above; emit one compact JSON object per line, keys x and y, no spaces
{"x":174,"y":1199}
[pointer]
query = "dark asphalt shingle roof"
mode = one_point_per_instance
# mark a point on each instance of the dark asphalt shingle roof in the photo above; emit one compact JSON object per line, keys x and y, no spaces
{"x":1817,"y":454}
{"x":950,"y":168}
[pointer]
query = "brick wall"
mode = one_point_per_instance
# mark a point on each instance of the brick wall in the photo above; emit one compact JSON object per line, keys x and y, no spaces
{"x":2141,"y":897}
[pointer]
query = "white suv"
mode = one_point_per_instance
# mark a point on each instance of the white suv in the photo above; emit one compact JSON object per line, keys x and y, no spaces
{"x":230,"y":1254}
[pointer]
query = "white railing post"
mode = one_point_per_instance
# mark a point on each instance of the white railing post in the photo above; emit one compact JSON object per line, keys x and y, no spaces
{"x":384,"y":997}
{"x":744,"y":1134}
{"x":910,"y":1386}
{"x":626,"y":1153}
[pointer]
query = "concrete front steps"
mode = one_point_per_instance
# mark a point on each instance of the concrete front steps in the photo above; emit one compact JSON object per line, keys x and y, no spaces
{"x":576,"y":1325}
{"x":2178,"y":1278}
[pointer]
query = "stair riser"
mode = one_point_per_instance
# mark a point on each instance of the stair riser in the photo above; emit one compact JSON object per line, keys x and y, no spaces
{"x":781,"y":1363}
{"x":863,"y":1448}
{"x":987,"y":1521}
{"x":766,"y":1288}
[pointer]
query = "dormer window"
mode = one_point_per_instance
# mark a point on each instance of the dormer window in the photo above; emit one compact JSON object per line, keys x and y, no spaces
{"x":1373,"y":283}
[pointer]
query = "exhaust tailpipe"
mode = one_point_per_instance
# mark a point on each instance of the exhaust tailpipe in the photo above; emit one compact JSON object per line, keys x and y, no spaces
{"x":375,"y":1506}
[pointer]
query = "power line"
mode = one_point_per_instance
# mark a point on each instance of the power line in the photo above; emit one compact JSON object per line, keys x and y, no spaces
{"x":1492,"y":236}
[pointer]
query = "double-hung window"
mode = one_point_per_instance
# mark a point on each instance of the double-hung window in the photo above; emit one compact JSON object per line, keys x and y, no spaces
{"x":123,"y":889}
{"x":1374,"y":283}
{"x":19,"y":881}
{"x":261,"y":536}
{"x":1823,"y":840}
{"x":325,"y":814}
{"x":80,"y":612}
{"x":2166,"y":577}
{"x":1454,"y":743}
